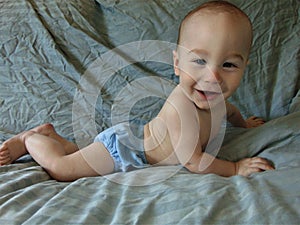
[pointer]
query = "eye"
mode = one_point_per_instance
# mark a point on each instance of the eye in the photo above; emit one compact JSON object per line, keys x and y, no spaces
{"x":201,"y":62}
{"x":229,"y":65}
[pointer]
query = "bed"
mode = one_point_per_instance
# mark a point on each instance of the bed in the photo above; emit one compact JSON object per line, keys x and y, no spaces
{"x":49,"y":49}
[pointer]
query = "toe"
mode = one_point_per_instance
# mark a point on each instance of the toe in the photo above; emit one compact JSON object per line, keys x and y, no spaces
{"x":4,"y":150}
{"x":4,"y":154}
{"x":5,"y":161}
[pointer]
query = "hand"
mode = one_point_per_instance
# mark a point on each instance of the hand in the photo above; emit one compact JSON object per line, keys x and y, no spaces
{"x":254,"y":121}
{"x":247,"y":166}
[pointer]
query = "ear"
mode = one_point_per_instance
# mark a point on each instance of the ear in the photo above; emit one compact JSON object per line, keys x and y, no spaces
{"x":176,"y":62}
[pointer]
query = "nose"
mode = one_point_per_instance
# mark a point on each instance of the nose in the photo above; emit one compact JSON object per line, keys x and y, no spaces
{"x":213,"y":75}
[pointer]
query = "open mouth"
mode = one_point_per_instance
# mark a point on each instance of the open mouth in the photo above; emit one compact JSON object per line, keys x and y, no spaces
{"x":208,"y":95}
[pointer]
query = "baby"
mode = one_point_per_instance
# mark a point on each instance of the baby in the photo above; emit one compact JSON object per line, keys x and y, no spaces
{"x":213,"y":48}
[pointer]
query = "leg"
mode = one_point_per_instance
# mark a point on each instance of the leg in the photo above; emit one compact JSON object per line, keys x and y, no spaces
{"x":48,"y":130}
{"x":14,"y":148}
{"x":94,"y":160}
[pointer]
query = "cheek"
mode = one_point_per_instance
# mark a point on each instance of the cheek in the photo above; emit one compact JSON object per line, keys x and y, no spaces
{"x":186,"y":80}
{"x":233,"y":83}
{"x":189,"y":73}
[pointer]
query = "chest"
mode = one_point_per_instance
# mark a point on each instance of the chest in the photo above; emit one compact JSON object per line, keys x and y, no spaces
{"x":209,"y":127}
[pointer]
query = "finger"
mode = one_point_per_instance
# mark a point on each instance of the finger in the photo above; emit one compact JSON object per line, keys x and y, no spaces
{"x":254,"y":118}
{"x":261,"y":164}
{"x":260,"y":160}
{"x":254,"y":122}
{"x":259,"y":122}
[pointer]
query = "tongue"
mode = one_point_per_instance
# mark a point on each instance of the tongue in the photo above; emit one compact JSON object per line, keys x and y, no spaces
{"x":209,"y":95}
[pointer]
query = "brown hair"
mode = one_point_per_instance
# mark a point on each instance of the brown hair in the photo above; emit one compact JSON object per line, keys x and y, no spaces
{"x":217,"y":7}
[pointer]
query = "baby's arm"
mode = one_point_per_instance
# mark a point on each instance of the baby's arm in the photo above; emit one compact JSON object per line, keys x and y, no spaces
{"x":236,"y":119}
{"x":204,"y":163}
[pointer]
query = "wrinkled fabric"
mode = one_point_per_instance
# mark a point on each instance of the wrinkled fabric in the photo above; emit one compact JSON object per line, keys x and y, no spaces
{"x":48,"y":53}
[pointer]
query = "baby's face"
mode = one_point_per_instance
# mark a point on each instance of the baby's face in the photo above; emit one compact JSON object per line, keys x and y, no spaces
{"x":213,"y":57}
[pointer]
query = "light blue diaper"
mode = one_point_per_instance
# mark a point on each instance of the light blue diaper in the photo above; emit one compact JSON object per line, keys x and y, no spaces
{"x":126,"y":146}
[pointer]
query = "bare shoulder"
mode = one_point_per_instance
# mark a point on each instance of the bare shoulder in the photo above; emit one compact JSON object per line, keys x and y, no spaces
{"x":228,"y":105}
{"x":172,"y":107}
{"x":230,"y":108}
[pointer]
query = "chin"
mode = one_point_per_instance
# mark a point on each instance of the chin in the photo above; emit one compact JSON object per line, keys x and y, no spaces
{"x":207,"y":104}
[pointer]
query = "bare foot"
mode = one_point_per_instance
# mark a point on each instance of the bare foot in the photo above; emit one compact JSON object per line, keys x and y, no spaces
{"x":12,"y":149}
{"x":48,"y":130}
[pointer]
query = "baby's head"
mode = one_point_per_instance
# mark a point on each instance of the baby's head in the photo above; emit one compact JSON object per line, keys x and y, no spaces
{"x":213,"y":48}
{"x":214,"y":8}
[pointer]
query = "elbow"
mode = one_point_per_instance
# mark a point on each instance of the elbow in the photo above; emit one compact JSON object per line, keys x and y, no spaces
{"x":200,"y":164}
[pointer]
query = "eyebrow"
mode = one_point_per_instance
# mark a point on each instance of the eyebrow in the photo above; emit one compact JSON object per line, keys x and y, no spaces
{"x":204,"y":52}
{"x":198,"y":51}
{"x":236,"y":55}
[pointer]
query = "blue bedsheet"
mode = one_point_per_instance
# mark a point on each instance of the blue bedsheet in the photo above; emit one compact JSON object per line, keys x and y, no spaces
{"x":47,"y":49}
